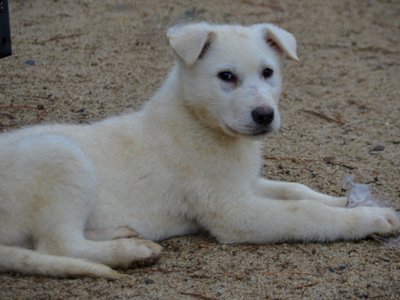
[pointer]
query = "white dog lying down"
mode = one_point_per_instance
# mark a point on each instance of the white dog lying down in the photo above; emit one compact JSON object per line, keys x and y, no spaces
{"x":79,"y":199}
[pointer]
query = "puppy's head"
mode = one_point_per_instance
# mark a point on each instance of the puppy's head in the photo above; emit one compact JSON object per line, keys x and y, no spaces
{"x":230,"y":76}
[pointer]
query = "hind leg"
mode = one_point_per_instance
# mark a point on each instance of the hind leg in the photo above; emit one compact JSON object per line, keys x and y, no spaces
{"x":105,"y":234}
{"x":62,"y":190}
{"x":120,"y":253}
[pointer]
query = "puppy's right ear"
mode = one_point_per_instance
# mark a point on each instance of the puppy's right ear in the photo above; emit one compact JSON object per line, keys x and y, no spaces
{"x":190,"y":41}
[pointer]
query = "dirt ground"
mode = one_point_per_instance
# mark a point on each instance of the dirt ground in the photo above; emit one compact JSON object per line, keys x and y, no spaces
{"x":80,"y":61}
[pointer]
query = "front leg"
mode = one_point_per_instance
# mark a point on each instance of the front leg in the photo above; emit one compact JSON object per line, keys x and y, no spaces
{"x":255,"y":219}
{"x":295,"y":191}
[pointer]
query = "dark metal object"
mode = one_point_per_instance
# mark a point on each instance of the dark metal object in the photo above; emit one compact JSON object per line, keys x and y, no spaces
{"x":5,"y":36}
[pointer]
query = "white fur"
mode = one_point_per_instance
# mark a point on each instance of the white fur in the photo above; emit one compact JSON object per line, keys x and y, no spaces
{"x":76,"y":197}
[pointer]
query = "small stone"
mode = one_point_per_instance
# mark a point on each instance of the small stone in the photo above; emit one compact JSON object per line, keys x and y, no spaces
{"x":30,"y":62}
{"x":338,"y":269}
{"x":376,"y":149}
{"x":193,"y":12}
{"x":148,"y":281}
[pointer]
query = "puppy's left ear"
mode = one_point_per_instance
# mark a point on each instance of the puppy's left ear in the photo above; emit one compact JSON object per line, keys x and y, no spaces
{"x":190,"y":41}
{"x":279,"y":39}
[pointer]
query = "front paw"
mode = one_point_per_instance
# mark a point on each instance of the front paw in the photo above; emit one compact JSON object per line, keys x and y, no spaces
{"x":378,"y":220}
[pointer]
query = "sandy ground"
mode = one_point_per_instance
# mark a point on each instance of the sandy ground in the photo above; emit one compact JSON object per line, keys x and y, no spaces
{"x":80,"y":61}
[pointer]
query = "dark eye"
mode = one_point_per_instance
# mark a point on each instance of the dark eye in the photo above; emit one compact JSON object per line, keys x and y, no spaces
{"x":227,"y":76}
{"x":267,"y":73}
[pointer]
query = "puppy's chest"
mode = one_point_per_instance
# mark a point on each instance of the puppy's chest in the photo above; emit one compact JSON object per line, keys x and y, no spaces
{"x":216,"y":166}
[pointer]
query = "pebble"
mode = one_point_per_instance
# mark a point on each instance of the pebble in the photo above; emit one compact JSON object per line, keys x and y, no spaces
{"x":30,"y":62}
{"x":193,"y":13}
{"x":148,"y":281}
{"x":376,"y":149}
{"x":338,"y":269}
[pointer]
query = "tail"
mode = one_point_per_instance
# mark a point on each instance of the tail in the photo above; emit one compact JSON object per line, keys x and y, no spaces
{"x":13,"y":259}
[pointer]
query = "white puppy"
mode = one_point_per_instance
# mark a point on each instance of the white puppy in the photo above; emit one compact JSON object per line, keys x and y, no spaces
{"x":74,"y":199}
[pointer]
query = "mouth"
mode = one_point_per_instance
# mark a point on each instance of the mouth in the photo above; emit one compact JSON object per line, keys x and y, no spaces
{"x":258,"y":132}
{"x":263,"y":131}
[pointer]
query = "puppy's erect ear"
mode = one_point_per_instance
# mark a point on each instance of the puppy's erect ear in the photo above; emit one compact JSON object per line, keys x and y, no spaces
{"x":280,"y":39}
{"x":190,"y":41}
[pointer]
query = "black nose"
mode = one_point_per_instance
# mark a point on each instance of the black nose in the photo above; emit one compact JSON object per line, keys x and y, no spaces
{"x":262,"y":115}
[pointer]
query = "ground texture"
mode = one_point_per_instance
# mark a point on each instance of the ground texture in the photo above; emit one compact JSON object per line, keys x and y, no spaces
{"x":80,"y":61}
